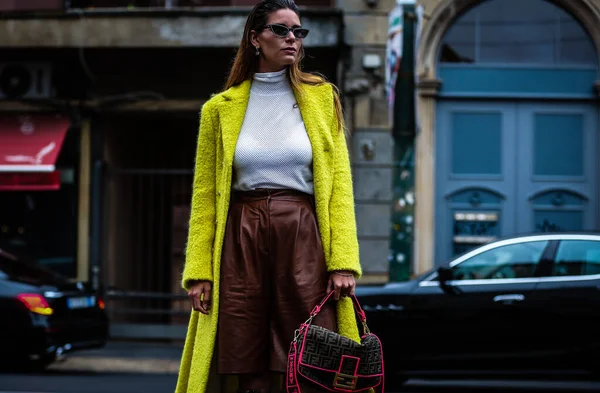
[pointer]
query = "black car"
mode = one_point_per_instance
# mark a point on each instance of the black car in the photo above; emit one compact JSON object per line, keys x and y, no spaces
{"x":43,"y":315}
{"x":517,"y":306}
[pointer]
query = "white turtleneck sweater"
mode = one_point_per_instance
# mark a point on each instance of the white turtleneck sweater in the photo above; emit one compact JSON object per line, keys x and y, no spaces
{"x":273,"y":149}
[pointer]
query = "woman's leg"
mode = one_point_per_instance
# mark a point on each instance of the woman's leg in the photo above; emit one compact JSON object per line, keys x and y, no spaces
{"x":298,"y":273}
{"x":253,"y":382}
{"x":243,"y":327}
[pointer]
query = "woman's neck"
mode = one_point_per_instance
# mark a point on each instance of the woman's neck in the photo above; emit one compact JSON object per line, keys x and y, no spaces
{"x":264,"y":67}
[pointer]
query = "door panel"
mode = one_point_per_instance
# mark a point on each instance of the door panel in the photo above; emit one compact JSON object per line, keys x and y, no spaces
{"x":508,"y":168}
{"x":473,"y":329}
{"x":473,"y":174}
{"x":557,"y":186}
{"x":492,"y":321}
{"x":573,"y":287}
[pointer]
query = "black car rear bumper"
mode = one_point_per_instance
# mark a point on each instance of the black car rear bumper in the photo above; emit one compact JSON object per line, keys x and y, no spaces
{"x":60,"y":337}
{"x":72,"y":339}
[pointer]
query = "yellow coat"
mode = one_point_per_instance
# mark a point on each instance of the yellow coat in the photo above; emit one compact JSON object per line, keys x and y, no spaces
{"x":220,"y":125}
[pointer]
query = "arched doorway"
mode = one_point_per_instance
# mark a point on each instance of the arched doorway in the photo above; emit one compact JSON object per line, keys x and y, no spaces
{"x":516,"y":131}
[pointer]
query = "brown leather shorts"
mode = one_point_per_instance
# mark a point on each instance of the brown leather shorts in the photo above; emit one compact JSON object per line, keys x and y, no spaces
{"x":272,"y":275}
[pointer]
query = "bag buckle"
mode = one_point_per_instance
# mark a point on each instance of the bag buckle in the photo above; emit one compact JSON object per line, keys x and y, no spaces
{"x":345,"y":381}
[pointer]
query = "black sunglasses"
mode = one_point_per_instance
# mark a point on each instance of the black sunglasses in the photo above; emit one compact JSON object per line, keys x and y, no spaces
{"x":283,"y":31}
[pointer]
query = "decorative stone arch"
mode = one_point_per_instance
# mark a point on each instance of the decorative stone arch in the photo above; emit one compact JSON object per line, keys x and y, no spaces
{"x":446,"y":13}
{"x":434,"y":29}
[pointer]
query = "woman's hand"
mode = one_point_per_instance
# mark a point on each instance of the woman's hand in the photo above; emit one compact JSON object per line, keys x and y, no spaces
{"x":199,"y":295}
{"x":342,"y":282}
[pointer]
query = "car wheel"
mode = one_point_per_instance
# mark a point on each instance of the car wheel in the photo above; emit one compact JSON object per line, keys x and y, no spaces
{"x":395,"y":383}
{"x":594,"y":370}
{"x":27,"y":365}
{"x":42,"y":363}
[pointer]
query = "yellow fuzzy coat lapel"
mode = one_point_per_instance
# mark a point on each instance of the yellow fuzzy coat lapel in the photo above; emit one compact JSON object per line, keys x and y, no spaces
{"x":232,"y":110}
{"x":220,"y":125}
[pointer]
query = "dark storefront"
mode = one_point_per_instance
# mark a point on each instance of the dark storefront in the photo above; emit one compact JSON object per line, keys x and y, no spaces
{"x":113,"y":211}
{"x":38,"y":189}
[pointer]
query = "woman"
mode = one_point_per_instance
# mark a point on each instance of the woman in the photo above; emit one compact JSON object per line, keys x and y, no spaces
{"x":272,"y":227}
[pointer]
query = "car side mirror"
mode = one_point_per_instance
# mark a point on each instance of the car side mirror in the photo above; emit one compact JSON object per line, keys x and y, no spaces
{"x":444,"y":274}
{"x":444,"y":277}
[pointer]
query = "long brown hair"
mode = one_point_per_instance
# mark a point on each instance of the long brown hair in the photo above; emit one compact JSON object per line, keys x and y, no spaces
{"x":245,"y":63}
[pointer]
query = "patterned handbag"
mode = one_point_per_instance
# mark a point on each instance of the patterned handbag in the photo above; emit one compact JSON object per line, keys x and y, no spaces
{"x":327,"y":360}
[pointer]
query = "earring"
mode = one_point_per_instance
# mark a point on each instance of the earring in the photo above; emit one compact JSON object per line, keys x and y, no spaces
{"x":257,"y":51}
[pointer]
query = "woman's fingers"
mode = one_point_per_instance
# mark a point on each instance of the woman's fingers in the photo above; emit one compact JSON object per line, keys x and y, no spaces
{"x":207,"y":297}
{"x":194,"y":296}
{"x":199,"y":295}
{"x":348,"y":286}
{"x":337,"y":288}
{"x":342,"y":285}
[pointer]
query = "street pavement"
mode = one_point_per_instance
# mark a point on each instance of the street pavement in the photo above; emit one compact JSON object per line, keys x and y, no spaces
{"x":125,"y":356}
{"x":54,"y":381}
{"x":126,"y":367}
{"x":119,"y":367}
{"x":87,"y":382}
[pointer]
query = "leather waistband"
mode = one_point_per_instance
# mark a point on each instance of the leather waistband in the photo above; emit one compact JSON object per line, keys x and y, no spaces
{"x":273,"y":194}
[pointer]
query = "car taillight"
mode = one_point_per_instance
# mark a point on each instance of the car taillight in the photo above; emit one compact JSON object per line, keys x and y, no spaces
{"x":101,"y":304}
{"x":36,"y":303}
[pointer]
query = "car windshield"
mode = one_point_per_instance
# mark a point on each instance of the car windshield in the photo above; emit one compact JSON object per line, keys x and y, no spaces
{"x":18,"y":269}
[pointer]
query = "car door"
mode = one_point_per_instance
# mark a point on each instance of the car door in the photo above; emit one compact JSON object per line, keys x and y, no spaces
{"x":486,"y":315}
{"x":11,"y":322}
{"x":572,"y":292}
{"x":6,"y":311}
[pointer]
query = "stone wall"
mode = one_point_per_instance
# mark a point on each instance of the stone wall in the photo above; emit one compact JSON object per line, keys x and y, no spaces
{"x":365,"y":31}
{"x":198,"y":28}
{"x":366,"y":23}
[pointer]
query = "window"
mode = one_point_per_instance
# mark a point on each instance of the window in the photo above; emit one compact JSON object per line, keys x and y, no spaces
{"x":19,"y":269}
{"x":521,"y":32}
{"x":512,"y":261}
{"x":577,"y":258}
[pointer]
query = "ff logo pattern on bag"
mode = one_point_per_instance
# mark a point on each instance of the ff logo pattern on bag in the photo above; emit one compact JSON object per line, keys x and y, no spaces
{"x":334,"y":362}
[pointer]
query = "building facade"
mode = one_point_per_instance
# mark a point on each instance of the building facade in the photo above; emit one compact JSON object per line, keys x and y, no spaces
{"x":506,"y":140}
{"x":99,"y":116}
{"x":508,"y":114}
{"x":507,"y":122}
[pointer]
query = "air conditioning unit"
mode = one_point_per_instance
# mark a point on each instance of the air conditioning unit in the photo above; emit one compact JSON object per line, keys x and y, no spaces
{"x":25,"y":80}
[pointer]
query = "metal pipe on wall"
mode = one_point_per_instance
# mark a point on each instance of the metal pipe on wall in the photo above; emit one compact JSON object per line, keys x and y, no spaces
{"x":83,"y":214}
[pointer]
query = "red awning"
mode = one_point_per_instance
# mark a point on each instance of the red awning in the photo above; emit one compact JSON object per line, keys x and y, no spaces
{"x":29,"y":147}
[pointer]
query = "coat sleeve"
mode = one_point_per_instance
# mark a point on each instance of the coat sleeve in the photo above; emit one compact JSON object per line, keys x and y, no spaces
{"x":201,"y":233}
{"x":344,"y":241}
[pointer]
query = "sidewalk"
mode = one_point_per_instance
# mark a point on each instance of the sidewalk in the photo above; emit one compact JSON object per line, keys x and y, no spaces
{"x":125,"y":357}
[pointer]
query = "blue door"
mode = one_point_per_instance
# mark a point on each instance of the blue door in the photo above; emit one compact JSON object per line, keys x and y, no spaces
{"x":558,"y":167}
{"x":508,"y":168}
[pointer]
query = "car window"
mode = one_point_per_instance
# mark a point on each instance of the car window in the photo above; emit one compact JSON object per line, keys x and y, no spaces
{"x":511,"y":261}
{"x":577,"y":258}
{"x":16,"y":269}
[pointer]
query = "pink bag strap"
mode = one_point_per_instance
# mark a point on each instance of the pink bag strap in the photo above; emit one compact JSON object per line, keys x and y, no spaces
{"x":357,"y":308}
{"x":291,"y":379}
